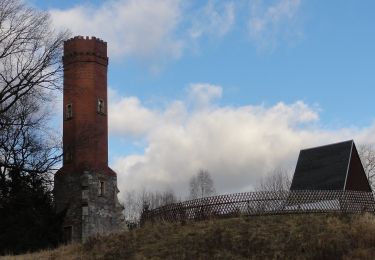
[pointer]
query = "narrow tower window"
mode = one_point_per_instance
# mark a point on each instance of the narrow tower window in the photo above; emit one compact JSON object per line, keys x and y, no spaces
{"x":68,"y":156}
{"x":101,"y":188}
{"x":101,"y":106}
{"x":68,"y":111}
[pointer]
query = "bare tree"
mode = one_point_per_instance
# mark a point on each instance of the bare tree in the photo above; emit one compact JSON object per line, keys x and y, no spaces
{"x":30,"y":53}
{"x":27,"y":144}
{"x":30,"y":67}
{"x":367,"y":154}
{"x":157,"y":199}
{"x":201,"y":185}
{"x":277,"y":180}
{"x":30,"y":70}
{"x":136,"y":202}
{"x":133,"y":207}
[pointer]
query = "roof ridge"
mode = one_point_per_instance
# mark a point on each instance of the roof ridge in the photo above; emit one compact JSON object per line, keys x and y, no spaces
{"x":332,"y":144}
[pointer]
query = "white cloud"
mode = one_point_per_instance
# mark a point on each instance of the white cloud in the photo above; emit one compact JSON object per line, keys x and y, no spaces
{"x":132,"y":27}
{"x":147,"y":29}
{"x":216,"y":18}
{"x":165,"y":29}
{"x":129,"y":117}
{"x":269,"y":23}
{"x":203,"y":94}
{"x":237,"y":145}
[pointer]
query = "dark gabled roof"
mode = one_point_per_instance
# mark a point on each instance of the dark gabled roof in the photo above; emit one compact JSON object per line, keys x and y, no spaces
{"x":328,"y":167}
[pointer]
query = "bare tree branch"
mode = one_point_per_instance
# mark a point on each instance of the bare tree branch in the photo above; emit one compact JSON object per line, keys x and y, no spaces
{"x":201,"y":185}
{"x":30,"y":66}
{"x":30,"y":53}
{"x":277,"y":180}
{"x":30,"y":72}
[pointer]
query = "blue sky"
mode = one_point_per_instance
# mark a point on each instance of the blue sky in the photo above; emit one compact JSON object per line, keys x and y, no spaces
{"x":312,"y":60}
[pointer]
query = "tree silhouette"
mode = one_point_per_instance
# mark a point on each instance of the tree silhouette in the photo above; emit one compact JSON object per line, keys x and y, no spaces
{"x":30,"y":70}
{"x":201,"y":185}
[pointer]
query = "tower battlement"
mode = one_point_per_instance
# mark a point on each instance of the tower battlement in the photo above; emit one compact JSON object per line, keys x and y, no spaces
{"x":86,"y":48}
{"x":86,"y":38}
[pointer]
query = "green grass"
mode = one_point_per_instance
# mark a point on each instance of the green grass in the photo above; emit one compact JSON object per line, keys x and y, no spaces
{"x":323,"y":236}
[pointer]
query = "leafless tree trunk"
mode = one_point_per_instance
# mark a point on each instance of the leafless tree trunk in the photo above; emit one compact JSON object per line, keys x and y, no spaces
{"x":201,"y":185}
{"x":367,"y":154}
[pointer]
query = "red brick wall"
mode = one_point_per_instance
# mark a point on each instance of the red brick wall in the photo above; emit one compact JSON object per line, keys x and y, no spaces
{"x":85,"y":135}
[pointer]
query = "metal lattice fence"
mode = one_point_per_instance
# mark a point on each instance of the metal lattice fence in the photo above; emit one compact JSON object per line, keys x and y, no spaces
{"x":263,"y":203}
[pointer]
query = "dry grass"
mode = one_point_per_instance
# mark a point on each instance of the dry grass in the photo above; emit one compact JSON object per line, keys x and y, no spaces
{"x":269,"y":237}
{"x":69,"y":252}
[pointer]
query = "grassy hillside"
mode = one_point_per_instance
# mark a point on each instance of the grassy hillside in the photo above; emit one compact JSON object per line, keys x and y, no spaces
{"x":265,"y":237}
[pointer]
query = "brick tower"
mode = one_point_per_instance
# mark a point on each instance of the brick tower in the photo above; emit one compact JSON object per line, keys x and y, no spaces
{"x":85,"y":187}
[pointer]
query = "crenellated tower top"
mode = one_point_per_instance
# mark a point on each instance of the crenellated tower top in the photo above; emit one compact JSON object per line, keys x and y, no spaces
{"x":82,"y":48}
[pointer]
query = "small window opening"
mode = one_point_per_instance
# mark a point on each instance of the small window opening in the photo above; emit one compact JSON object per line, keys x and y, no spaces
{"x":101,"y":106}
{"x":101,"y":188}
{"x":69,"y":111}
